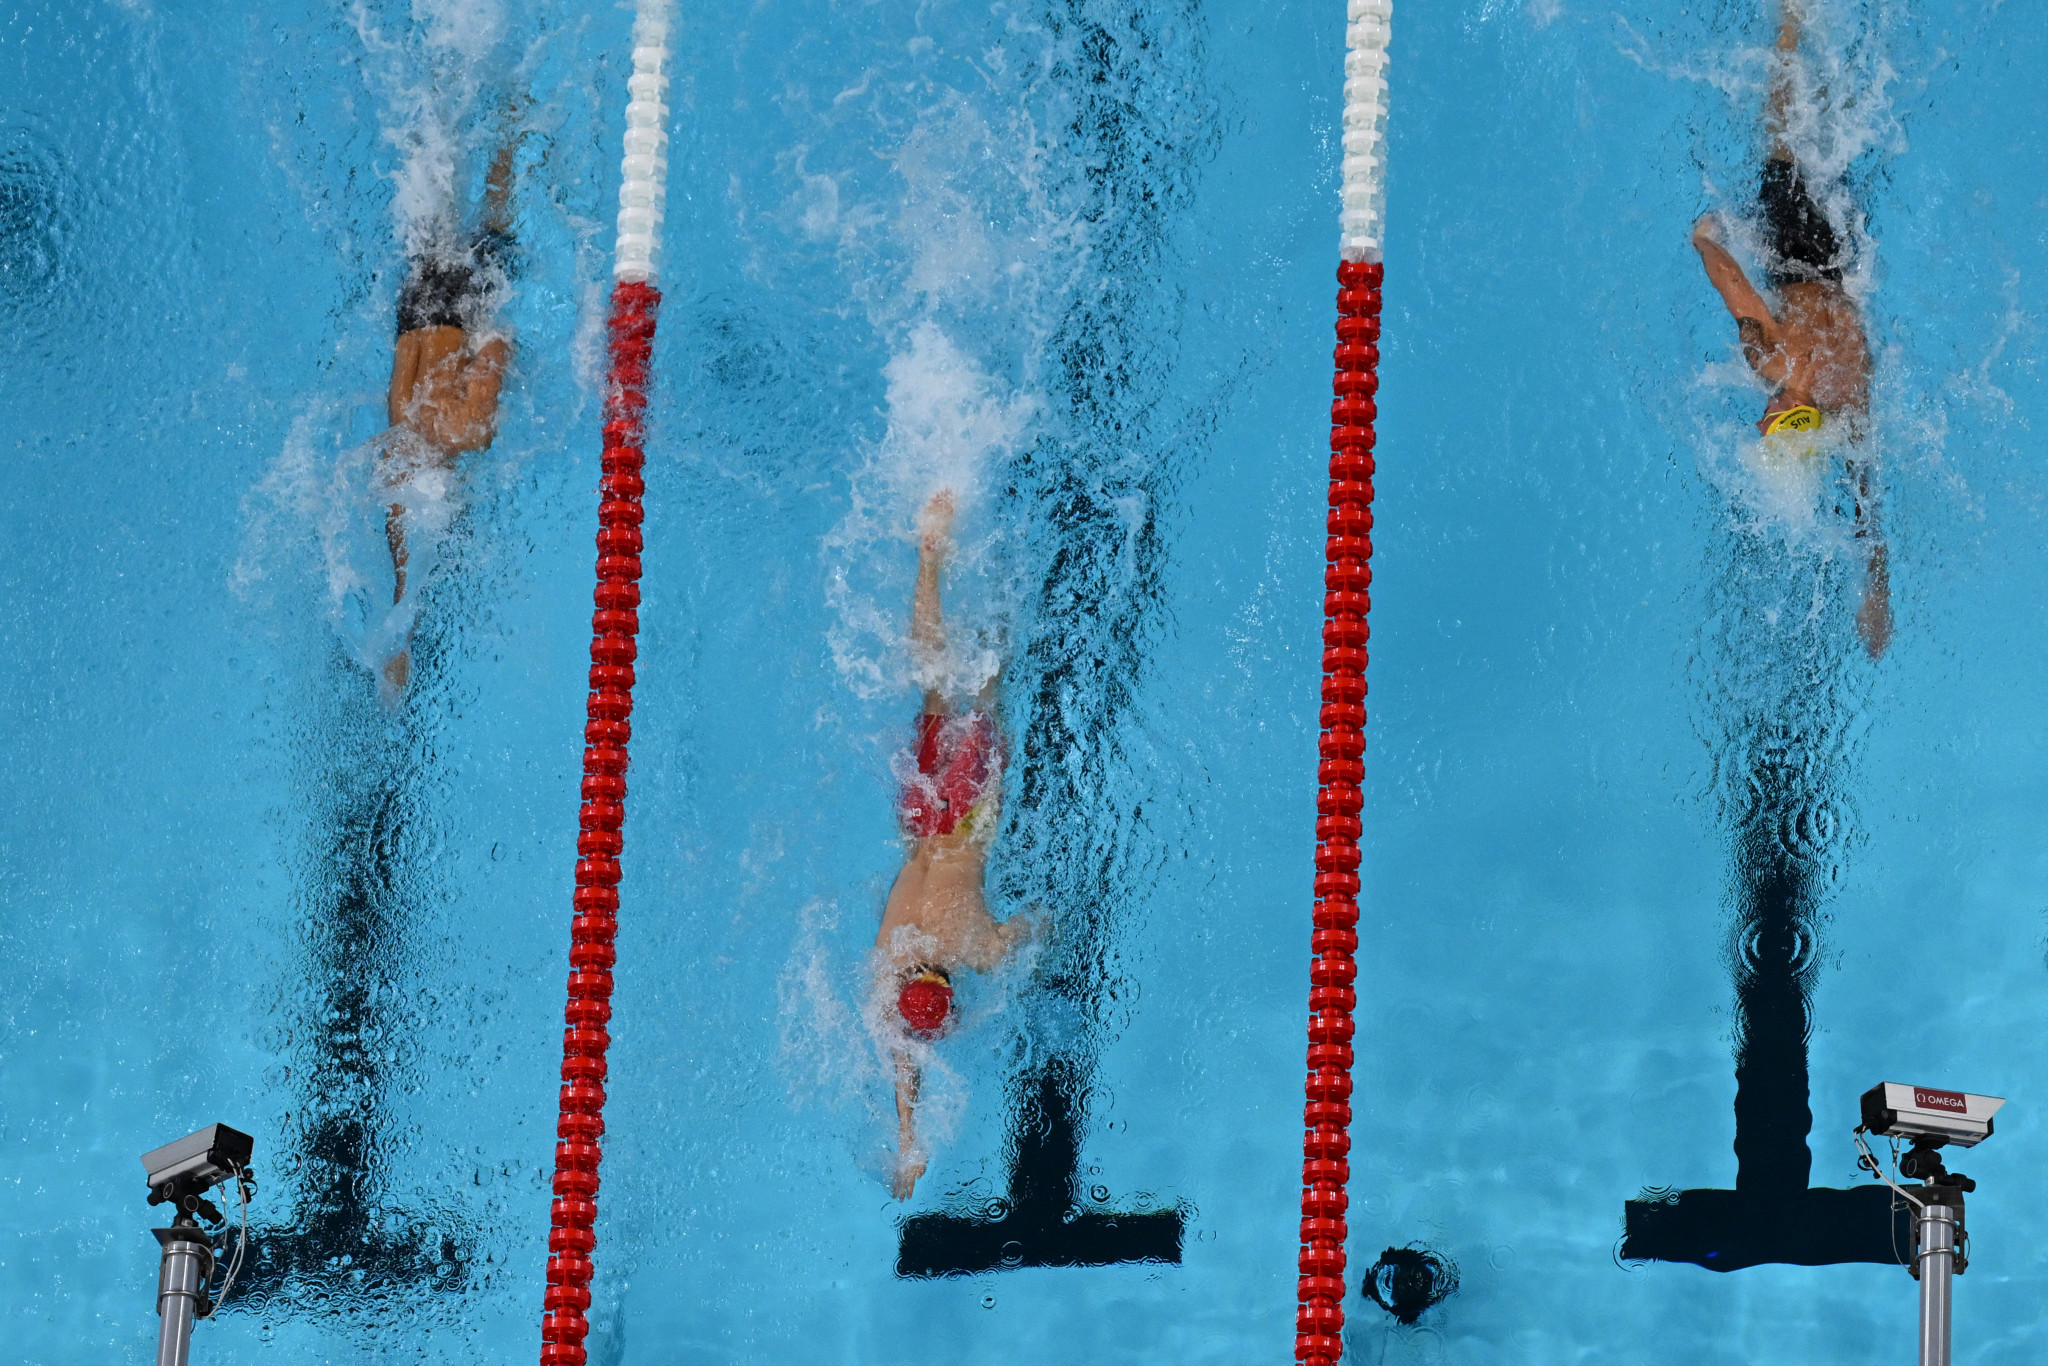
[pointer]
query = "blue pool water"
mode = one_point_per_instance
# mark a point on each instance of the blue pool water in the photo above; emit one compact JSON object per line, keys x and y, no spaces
{"x":1076,"y":261}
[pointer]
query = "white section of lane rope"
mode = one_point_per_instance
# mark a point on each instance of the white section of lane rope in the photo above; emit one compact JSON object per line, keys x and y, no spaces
{"x":1365,"y":129}
{"x":643,"y":187}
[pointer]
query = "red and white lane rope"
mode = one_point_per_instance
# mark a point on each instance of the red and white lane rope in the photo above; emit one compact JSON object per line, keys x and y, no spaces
{"x":614,"y":625}
{"x":1347,"y":584}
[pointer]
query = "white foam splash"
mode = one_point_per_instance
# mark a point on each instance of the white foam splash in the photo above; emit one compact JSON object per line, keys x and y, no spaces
{"x":430,"y":78}
{"x":949,"y":423}
{"x":960,"y":266}
{"x":469,"y":29}
{"x":323,"y":491}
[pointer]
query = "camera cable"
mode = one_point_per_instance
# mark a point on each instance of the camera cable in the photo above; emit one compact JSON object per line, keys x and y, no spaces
{"x":241,"y":1246}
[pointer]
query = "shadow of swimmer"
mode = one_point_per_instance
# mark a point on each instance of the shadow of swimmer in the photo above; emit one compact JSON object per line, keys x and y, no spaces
{"x":1043,"y":1221}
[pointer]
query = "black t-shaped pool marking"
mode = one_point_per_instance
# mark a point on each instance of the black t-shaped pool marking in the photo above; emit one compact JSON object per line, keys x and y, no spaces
{"x":1772,"y":1215}
{"x":343,"y":1238}
{"x":1043,"y":1222}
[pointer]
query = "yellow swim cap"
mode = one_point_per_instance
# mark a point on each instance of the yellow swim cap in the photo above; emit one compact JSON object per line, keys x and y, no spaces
{"x":1804,"y":418}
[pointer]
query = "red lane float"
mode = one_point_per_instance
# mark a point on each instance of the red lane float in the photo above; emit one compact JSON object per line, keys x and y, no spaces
{"x":1347,"y":583}
{"x":607,"y":732}
{"x":608,"y":724}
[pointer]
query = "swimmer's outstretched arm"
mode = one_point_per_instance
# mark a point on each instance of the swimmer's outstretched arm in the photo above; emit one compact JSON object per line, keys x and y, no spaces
{"x":909,"y":1157}
{"x":1778,"y":113}
{"x":927,"y":621}
{"x":1874,"y":615}
{"x":1761,"y":336}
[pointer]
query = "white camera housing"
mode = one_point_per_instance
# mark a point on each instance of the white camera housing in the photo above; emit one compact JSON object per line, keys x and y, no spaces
{"x":1898,"y":1110}
{"x":197,"y":1161}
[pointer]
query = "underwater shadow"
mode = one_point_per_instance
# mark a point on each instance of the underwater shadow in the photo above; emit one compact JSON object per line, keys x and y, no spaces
{"x":365,"y":877}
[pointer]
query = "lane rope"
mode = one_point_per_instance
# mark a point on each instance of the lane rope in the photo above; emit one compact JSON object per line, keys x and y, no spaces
{"x":1347,"y":598}
{"x":607,"y":731}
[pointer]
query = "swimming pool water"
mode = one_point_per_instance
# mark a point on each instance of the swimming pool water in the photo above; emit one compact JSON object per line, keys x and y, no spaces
{"x":1075,"y":260}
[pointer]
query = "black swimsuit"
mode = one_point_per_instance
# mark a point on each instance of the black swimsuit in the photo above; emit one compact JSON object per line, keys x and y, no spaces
{"x":452,"y":290}
{"x":1800,"y":236}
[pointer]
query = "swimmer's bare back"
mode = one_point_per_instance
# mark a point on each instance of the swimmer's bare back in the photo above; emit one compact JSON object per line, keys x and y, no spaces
{"x":939,"y":892}
{"x":1810,"y":349}
{"x":938,"y":896}
{"x":445,"y":388}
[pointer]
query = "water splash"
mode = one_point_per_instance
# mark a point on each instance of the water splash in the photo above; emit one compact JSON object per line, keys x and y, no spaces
{"x":959,"y":262}
{"x":840,"y":1034}
{"x":327,"y":492}
{"x":949,"y":424}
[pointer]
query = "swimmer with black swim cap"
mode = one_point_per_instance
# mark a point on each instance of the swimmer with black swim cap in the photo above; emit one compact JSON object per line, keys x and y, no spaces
{"x":937,"y":922}
{"x":448,"y":367}
{"x":1811,"y":349}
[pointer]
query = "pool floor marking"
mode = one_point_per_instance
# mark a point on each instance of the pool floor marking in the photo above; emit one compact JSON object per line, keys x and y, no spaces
{"x":1044,"y":1221}
{"x":1772,"y":1215}
{"x":349,"y":1233}
{"x":608,"y":729}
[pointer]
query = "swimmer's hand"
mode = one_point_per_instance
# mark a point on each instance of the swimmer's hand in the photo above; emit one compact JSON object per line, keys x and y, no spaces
{"x":1707,"y":230}
{"x":908,"y":1168}
{"x":1024,"y":927}
{"x":935,"y":523}
{"x":1874,"y":617}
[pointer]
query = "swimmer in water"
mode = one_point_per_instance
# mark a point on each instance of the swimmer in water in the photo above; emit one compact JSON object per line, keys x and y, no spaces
{"x":449,"y":364}
{"x":937,"y":923}
{"x":1811,"y":348}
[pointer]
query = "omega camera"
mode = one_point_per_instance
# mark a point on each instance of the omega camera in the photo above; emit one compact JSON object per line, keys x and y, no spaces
{"x":1927,"y":1117}
{"x":181,"y":1173}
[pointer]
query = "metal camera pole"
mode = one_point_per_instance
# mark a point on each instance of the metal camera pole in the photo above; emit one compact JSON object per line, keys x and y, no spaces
{"x":181,"y":1283}
{"x":180,"y":1174}
{"x":1936,"y":1257}
{"x":1932,"y":1119}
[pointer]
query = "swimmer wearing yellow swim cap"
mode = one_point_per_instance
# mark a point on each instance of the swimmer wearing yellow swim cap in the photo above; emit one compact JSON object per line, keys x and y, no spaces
{"x":1793,"y":435}
{"x":1802,"y":418}
{"x":1807,"y":343}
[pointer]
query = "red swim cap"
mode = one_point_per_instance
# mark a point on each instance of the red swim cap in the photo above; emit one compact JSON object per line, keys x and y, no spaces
{"x":926,"y":1003}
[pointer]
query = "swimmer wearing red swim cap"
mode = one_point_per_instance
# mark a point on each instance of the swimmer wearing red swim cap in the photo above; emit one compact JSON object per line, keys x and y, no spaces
{"x":937,"y":922}
{"x":926,"y":1002}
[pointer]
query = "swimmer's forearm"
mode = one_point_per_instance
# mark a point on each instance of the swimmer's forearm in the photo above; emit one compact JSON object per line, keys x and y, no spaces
{"x":1736,"y":292}
{"x":906,"y":1102}
{"x":927,"y":625}
{"x":405,"y":359}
